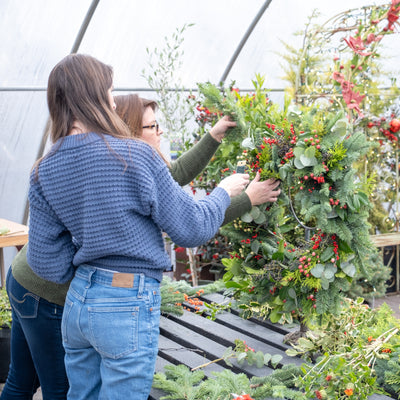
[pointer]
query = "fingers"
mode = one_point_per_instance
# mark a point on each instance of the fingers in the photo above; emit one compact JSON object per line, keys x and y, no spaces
{"x":257,"y":177}
{"x":235,"y":183}
{"x":225,"y":123}
{"x":274,"y":195}
{"x":270,"y":185}
{"x":219,"y":129}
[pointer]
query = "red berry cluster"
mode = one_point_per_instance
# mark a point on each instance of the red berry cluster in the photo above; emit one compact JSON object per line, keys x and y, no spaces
{"x":305,"y":265}
{"x":387,"y":131}
{"x":317,"y":179}
{"x":312,"y":298}
{"x":335,"y":248}
{"x":317,"y":238}
{"x":336,"y":202}
{"x":271,"y":126}
{"x":236,"y":255}
{"x":313,"y":141}
{"x":205,"y":115}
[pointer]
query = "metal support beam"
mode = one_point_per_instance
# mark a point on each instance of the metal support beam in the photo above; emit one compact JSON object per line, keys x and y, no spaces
{"x":244,"y":40}
{"x":84,"y":26}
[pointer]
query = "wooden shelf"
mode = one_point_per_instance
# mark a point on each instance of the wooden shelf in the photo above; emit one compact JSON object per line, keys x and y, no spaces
{"x":392,"y":241}
{"x":17,"y":236}
{"x":386,"y":239}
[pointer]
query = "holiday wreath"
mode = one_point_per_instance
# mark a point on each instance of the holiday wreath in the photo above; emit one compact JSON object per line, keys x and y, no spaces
{"x":295,"y":258}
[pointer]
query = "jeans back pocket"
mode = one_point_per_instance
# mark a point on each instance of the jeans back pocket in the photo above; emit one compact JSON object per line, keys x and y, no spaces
{"x":114,"y":329}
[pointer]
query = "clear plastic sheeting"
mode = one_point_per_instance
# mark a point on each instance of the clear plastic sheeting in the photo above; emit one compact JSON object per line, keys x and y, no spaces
{"x":34,"y":36}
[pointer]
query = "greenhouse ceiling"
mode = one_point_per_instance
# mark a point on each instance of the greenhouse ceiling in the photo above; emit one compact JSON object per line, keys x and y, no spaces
{"x":228,"y":40}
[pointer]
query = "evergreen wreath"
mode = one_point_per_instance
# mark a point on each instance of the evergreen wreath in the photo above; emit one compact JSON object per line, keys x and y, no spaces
{"x":294,"y":259}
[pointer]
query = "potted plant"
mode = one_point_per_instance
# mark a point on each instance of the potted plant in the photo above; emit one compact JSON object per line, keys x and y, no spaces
{"x":5,"y":334}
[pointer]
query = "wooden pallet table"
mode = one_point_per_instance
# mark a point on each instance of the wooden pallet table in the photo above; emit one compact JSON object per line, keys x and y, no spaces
{"x":17,"y":236}
{"x":194,"y":340}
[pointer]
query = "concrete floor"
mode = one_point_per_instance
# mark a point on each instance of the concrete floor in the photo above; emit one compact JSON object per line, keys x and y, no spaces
{"x":392,"y":300}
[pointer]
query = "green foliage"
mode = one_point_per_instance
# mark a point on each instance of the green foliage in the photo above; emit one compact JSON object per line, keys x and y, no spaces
{"x":373,"y":282}
{"x":243,"y":353}
{"x":347,"y":348}
{"x":388,"y":372}
{"x":162,"y":75}
{"x":175,"y":293}
{"x":327,"y":81}
{"x":273,"y":270}
{"x":177,"y":382}
{"x":309,"y":71}
{"x":5,"y":309}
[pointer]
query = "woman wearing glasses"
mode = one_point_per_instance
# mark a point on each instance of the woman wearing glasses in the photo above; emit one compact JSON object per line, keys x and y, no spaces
{"x":139,"y":114}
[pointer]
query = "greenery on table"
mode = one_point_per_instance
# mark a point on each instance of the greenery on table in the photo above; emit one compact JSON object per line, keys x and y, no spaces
{"x":5,"y":309}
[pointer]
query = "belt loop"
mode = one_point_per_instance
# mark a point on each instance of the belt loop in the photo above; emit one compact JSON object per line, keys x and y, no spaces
{"x":90,"y":274}
{"x":141,"y":285}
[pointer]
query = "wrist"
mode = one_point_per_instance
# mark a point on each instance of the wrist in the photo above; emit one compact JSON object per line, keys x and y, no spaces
{"x":216,"y":137}
{"x":249,"y":195}
{"x":227,"y":190}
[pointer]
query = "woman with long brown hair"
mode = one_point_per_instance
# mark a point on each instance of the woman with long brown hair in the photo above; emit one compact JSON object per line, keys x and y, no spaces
{"x":99,"y":201}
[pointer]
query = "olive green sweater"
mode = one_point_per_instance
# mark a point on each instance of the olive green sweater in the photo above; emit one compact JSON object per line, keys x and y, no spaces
{"x":183,"y":170}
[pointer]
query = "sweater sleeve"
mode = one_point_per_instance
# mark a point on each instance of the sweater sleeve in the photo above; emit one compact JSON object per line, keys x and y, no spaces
{"x":48,"y":239}
{"x":239,"y":205}
{"x":189,"y":223}
{"x":193,"y":161}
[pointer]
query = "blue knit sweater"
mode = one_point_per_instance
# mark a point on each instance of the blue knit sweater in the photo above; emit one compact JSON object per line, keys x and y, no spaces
{"x":106,"y":205}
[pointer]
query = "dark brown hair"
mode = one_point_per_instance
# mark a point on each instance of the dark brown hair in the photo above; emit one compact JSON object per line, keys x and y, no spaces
{"x":131,"y":107}
{"x":77,"y":90}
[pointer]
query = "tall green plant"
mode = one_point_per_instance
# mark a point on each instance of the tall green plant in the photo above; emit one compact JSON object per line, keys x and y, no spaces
{"x":352,"y":39}
{"x":163,"y":76}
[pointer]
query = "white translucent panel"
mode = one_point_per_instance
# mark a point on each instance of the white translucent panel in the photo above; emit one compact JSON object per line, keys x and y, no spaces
{"x":120,"y":35}
{"x":34,"y":36}
{"x":23,"y":117}
{"x":279,"y":23}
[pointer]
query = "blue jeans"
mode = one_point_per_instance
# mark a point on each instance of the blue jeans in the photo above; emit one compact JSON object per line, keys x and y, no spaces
{"x":37,"y":354}
{"x":110,"y":331}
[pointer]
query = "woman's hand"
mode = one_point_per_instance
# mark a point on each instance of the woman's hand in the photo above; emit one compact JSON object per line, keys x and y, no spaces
{"x":219,"y":129}
{"x":262,"y":192}
{"x":234,"y":184}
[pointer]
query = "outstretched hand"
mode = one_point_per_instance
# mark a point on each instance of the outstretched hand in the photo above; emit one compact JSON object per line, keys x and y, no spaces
{"x":234,"y":184}
{"x":262,"y":192}
{"x":219,"y":129}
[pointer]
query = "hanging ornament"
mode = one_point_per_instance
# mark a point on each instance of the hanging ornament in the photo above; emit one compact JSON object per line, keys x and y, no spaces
{"x":394,"y":125}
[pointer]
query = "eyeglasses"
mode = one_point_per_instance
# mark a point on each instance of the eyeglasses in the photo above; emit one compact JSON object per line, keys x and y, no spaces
{"x":152,"y":126}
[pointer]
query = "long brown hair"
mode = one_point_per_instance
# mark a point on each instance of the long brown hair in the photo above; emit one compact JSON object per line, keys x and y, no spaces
{"x":77,"y":90}
{"x":131,"y":107}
